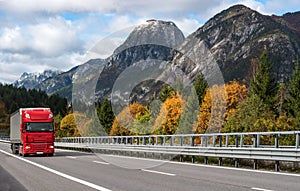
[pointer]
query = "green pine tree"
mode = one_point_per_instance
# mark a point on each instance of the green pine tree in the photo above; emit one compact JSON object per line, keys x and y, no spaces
{"x":200,"y":87}
{"x":106,"y":115}
{"x":189,"y":117}
{"x":166,"y":92}
{"x":263,"y":83}
{"x":293,"y":100}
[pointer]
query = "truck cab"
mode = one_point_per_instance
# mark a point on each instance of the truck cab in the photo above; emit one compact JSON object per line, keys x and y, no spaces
{"x":32,"y":131}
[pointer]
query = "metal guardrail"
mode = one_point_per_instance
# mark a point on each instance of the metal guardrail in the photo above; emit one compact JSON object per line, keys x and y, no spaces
{"x":220,"y":145}
{"x":202,"y":140}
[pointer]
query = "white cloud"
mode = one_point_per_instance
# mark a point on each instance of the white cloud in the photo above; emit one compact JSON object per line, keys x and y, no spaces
{"x":51,"y":44}
{"x":11,"y":39}
{"x":50,"y":39}
{"x":54,"y":38}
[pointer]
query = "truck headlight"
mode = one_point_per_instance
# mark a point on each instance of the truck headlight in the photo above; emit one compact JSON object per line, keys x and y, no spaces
{"x":51,"y":147}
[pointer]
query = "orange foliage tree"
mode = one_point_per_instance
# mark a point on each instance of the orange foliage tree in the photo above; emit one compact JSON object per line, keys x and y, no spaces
{"x":168,"y":119}
{"x":217,"y":105}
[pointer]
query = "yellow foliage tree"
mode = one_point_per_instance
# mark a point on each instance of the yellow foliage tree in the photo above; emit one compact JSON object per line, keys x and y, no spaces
{"x":216,"y":107}
{"x":74,"y":125}
{"x":124,"y":122}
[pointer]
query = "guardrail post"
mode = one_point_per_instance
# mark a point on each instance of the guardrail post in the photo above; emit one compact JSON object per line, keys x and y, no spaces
{"x":277,"y":141}
{"x":205,"y":160}
{"x":144,"y":140}
{"x":152,"y":140}
{"x":193,"y":159}
{"x":181,"y":141}
{"x":171,"y":140}
{"x":255,"y":141}
{"x":236,"y":141}
{"x":255,"y":165}
{"x":192,"y":141}
{"x":137,"y":140}
{"x":236,"y":163}
{"x":214,"y":141}
{"x":220,"y":141}
{"x":277,"y":166}
{"x":227,"y":140}
{"x":220,"y":161}
{"x":202,"y":141}
{"x":161,"y":140}
{"x":297,"y":141}
{"x":242,"y":140}
{"x":180,"y":158}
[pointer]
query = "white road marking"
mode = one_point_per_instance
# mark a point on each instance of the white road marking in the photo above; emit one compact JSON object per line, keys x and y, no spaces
{"x":260,"y":189}
{"x":83,"y":182}
{"x":100,"y":162}
{"x":71,"y":157}
{"x":158,"y":172}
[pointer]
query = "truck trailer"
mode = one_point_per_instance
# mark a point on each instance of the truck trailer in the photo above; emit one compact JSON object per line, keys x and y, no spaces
{"x":32,"y":131}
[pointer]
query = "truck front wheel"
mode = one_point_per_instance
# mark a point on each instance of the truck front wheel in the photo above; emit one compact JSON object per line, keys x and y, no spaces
{"x":15,"y":148}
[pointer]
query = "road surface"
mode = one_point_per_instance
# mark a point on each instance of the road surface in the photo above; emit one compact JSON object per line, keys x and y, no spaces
{"x":73,"y":170}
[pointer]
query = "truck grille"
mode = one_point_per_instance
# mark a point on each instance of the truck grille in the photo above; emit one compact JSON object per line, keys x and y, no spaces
{"x":39,"y":147}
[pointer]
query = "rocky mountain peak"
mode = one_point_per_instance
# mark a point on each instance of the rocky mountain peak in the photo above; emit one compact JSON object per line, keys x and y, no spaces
{"x":237,"y":36}
{"x":157,"y":32}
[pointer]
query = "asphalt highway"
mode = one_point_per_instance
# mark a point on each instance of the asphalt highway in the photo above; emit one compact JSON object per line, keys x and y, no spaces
{"x":73,"y":170}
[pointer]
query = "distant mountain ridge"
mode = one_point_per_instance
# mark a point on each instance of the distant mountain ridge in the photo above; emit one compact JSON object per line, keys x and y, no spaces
{"x":32,"y":80}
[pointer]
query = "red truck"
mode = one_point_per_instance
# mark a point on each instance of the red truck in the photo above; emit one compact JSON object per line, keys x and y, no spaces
{"x":32,"y":131}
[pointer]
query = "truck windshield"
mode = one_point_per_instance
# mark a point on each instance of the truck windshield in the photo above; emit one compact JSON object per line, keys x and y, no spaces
{"x":37,"y":127}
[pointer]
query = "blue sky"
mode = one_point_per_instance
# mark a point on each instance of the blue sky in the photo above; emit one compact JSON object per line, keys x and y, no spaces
{"x":38,"y":35}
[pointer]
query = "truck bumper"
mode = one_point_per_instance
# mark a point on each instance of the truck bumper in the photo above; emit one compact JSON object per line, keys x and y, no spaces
{"x":38,"y":148}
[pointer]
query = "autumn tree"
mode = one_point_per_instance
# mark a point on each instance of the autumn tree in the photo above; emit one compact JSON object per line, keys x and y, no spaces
{"x":95,"y":128}
{"x":248,"y":112}
{"x":124,"y":122}
{"x":253,"y":115}
{"x":217,"y":107}
{"x":74,"y":125}
{"x":168,"y":119}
